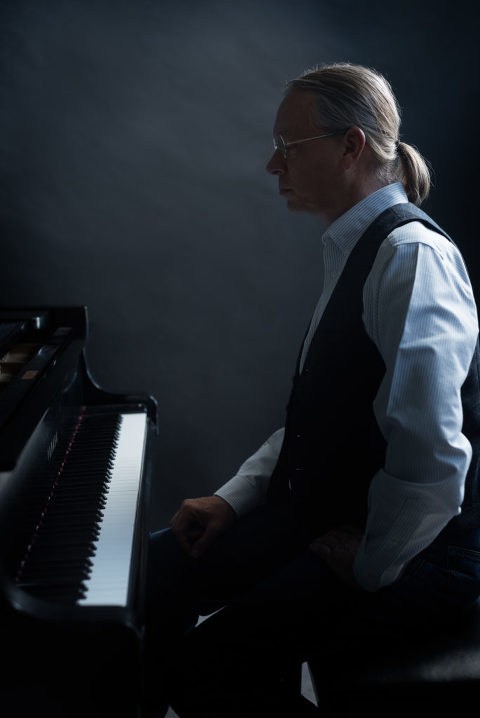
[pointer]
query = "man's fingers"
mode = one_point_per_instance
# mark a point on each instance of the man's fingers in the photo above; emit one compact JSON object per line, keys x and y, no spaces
{"x":188,"y":539}
{"x":186,"y":520}
{"x":338,"y":548}
{"x":186,"y":528}
{"x":322,"y":549}
{"x":203,"y":542}
{"x":183,"y":541}
{"x":342,"y":539}
{"x":328,"y":542}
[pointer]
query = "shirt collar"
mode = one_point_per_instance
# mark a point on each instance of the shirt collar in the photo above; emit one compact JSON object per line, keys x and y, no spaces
{"x":347,"y":229}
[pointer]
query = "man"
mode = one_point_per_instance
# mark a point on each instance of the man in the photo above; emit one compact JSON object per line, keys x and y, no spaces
{"x":360,"y":516}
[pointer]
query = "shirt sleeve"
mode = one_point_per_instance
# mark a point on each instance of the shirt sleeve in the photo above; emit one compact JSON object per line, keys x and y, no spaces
{"x":420,"y":312}
{"x":248,"y":488}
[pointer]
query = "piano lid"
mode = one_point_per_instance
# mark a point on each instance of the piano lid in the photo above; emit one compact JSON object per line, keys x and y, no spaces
{"x":39,"y":350}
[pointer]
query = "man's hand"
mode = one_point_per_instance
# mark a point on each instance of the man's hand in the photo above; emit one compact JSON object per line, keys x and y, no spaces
{"x":338,"y":548}
{"x":198,"y":522}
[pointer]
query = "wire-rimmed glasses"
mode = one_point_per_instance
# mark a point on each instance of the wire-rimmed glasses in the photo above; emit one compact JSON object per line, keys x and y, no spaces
{"x":279,"y":142}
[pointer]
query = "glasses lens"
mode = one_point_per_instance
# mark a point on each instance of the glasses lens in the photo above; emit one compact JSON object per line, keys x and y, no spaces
{"x":279,"y":144}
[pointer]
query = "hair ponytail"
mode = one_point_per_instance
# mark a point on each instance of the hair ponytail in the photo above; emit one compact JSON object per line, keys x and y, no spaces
{"x":415,"y":173}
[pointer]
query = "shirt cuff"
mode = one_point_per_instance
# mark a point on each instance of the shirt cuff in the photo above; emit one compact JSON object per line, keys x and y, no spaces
{"x":248,"y":488}
{"x":241,"y":501}
{"x":404,"y":518}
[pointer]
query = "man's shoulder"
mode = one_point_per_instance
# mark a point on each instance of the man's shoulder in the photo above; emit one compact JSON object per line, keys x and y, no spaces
{"x":415,"y":251}
{"x":416,"y":232}
{"x":412,"y":245}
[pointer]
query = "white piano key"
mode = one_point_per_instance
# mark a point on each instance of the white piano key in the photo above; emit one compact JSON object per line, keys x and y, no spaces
{"x":109,"y":578}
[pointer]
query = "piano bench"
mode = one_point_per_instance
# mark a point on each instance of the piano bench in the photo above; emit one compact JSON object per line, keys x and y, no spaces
{"x":414,"y":678}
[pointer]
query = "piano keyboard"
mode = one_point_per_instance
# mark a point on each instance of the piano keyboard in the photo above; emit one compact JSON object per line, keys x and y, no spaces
{"x":108,"y":581}
{"x":81,"y":545}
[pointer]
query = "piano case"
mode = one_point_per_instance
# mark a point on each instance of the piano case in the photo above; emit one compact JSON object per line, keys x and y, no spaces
{"x":74,"y":486}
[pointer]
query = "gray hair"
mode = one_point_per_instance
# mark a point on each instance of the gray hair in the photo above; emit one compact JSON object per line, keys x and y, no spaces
{"x":353,"y":95}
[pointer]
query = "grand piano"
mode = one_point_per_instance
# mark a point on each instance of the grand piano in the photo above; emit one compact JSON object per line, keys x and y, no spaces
{"x":74,"y":487}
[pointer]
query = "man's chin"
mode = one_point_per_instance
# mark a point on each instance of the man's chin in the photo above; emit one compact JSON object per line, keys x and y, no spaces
{"x":294,"y":206}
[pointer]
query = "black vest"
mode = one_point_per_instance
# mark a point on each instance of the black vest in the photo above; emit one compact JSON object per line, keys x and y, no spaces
{"x":333,"y":446}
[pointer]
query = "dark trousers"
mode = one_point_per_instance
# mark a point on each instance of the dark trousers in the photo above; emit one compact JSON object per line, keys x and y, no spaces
{"x":280,"y":606}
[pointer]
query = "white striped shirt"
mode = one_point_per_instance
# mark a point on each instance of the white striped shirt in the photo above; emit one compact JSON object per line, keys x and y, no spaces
{"x":420,"y":312}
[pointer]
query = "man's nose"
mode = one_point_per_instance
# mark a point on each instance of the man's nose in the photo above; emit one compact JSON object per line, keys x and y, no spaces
{"x":276,"y":165}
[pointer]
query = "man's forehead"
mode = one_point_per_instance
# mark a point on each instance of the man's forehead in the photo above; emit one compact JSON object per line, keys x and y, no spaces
{"x":295,"y":113}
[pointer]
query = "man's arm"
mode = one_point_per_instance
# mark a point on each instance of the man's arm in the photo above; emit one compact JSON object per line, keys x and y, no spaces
{"x":199,"y":521}
{"x":420,"y":312}
{"x":248,"y":488}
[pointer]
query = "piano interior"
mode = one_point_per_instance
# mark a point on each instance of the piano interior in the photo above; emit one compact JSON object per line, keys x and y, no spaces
{"x":74,"y":484}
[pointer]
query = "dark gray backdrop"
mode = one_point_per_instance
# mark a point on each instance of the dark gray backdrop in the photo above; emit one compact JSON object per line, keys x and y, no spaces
{"x":134,"y":140}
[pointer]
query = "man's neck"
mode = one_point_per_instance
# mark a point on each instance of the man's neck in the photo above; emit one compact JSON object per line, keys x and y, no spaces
{"x":353,"y":196}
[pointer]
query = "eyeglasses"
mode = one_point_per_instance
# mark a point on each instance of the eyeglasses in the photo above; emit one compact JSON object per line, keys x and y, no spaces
{"x":280,"y":144}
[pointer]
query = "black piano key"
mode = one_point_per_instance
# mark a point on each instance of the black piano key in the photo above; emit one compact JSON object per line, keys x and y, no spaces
{"x":63,"y":593}
{"x":70,"y":501}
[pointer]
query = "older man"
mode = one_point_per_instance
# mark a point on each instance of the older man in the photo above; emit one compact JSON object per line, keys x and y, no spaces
{"x":361,"y":515}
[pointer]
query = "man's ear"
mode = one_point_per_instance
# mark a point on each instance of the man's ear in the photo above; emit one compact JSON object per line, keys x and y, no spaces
{"x":353,"y":144}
